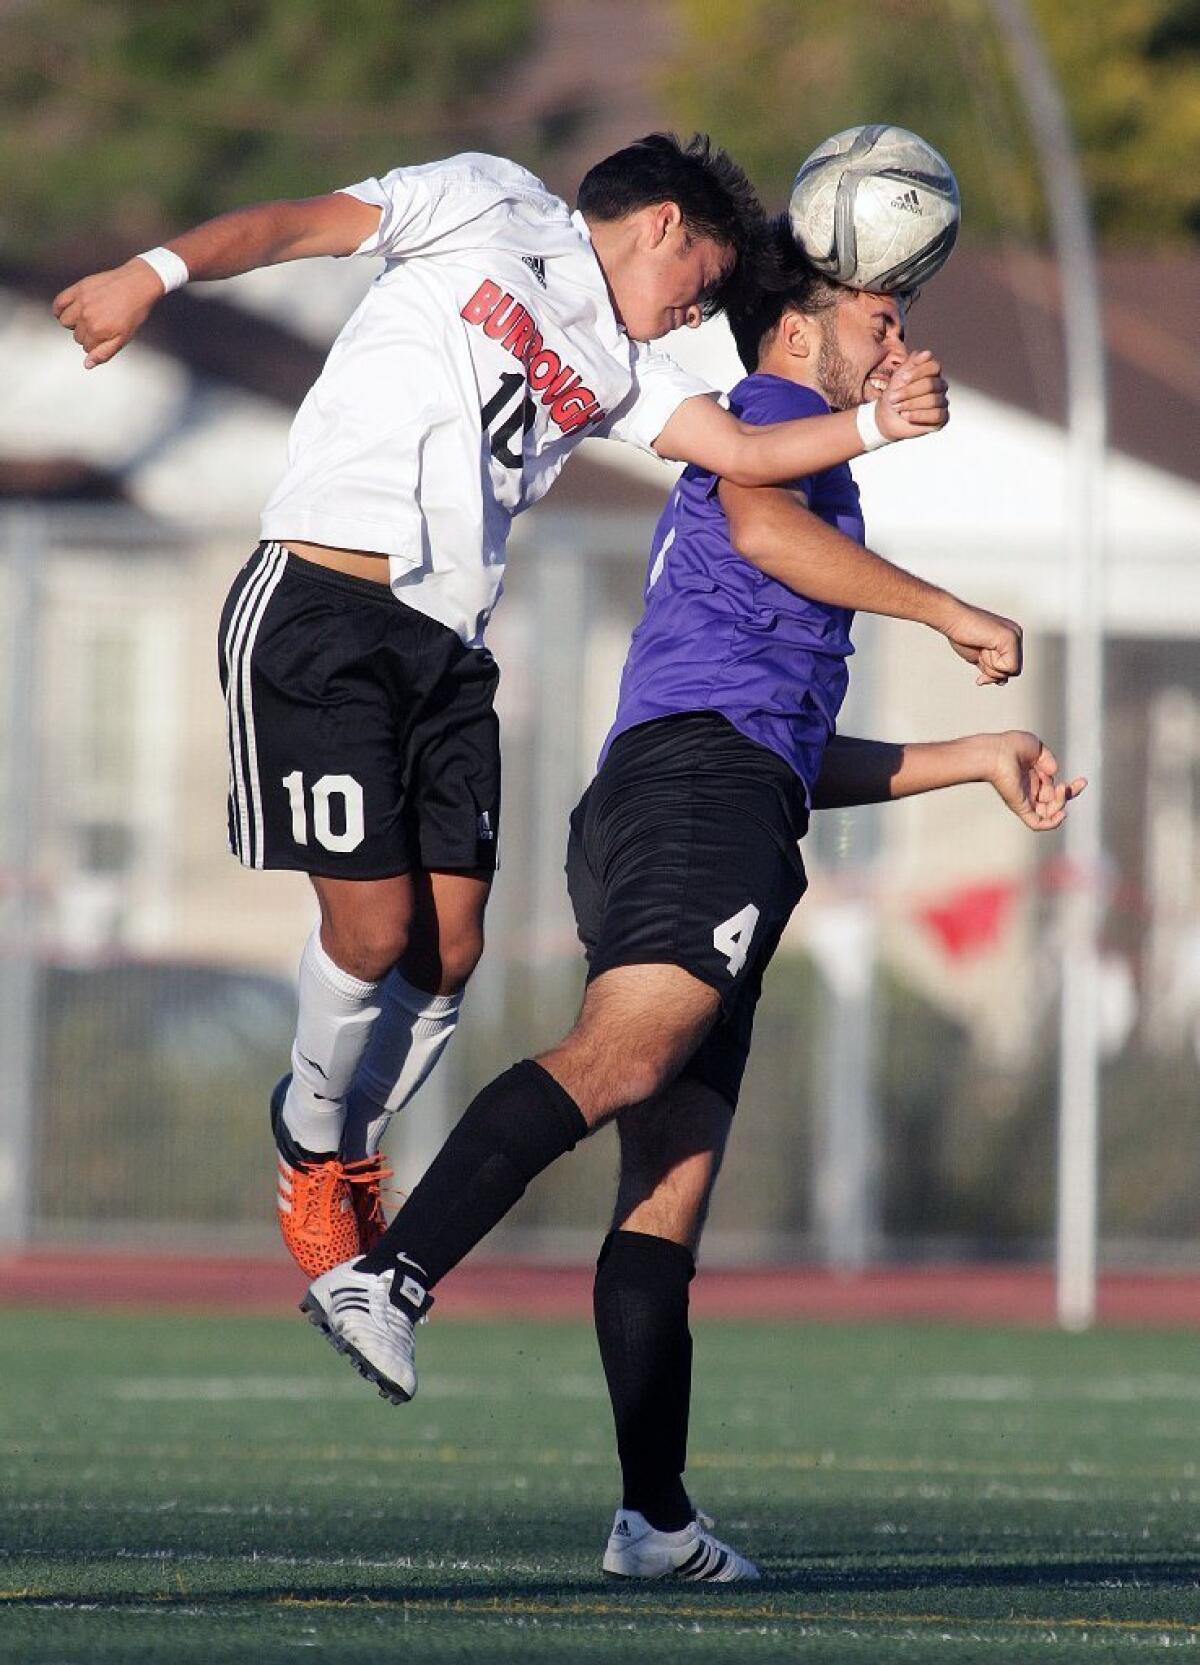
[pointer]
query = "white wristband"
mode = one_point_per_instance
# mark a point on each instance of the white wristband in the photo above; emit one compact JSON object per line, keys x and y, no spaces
{"x":172,"y":272}
{"x":869,"y":431}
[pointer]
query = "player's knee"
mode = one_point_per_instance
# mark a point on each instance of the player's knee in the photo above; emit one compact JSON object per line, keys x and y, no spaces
{"x":606,"y":1072}
{"x":642,"y":1073}
{"x":443,"y":966}
{"x":365,"y":948}
{"x":459,"y":958}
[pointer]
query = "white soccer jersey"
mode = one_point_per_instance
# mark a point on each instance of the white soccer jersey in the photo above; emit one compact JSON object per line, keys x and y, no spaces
{"x":483,"y":353}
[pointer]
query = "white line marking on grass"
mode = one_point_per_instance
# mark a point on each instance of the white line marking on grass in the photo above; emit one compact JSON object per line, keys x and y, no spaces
{"x":1161,"y":1388}
{"x":380,"y":1457}
{"x":231,"y":1389}
{"x":298,"y":1389}
{"x":168,"y":1506}
{"x":972,"y":1390}
{"x":261,"y":1558}
{"x":976,"y":1628}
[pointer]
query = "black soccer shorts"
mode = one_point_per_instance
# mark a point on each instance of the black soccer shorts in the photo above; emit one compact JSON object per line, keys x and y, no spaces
{"x":362,"y":739}
{"x":684,"y":851}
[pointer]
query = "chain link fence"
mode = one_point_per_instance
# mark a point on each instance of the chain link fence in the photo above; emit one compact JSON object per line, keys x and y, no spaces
{"x":900,"y":1098}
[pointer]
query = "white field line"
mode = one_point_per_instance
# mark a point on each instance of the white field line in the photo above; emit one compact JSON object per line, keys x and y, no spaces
{"x":1159,"y":1388}
{"x":812,"y":1566}
{"x":444,"y":1452}
{"x":1163,"y":1388}
{"x":322,"y":1563}
{"x":360,"y":1514}
{"x":294,"y":1389}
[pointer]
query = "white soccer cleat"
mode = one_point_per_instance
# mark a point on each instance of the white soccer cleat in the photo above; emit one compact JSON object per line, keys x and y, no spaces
{"x":355,"y":1312}
{"x":636,"y":1549}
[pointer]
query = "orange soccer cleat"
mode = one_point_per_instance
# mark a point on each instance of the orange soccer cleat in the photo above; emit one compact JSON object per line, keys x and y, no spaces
{"x":315,"y":1202}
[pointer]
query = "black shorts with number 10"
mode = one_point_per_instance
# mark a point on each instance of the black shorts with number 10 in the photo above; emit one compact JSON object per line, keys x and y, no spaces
{"x":362,"y":739}
{"x":684,"y":851}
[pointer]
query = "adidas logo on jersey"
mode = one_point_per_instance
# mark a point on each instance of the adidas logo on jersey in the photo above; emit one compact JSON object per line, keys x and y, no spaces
{"x":537,"y":266}
{"x":909,"y":201}
{"x":621,"y":1529}
{"x":484,"y":828}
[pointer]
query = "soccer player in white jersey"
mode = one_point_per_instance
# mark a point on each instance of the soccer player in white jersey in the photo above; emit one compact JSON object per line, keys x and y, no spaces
{"x":363,"y":745}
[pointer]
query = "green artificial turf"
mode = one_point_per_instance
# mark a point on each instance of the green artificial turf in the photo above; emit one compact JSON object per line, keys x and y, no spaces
{"x":179,"y":1488}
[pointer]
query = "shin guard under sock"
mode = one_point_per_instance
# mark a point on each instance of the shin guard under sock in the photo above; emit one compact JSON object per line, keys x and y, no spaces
{"x":640,"y":1303}
{"x":336,"y":1014}
{"x":514,"y":1128}
{"x":409,"y":1036}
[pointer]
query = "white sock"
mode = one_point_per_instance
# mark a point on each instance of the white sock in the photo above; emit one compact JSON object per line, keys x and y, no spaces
{"x":406,"y":1043}
{"x":337,"y":1012}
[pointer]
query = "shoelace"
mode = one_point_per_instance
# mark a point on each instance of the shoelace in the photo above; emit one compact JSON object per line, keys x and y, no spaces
{"x":315,"y":1194}
{"x":369,"y":1170}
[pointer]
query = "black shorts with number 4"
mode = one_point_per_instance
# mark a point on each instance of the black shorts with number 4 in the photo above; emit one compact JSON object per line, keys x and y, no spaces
{"x":684,"y":851}
{"x":362,"y":739}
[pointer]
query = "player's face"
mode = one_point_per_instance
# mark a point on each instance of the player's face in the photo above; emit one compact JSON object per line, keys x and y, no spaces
{"x":667,"y":280}
{"x":862,"y":345}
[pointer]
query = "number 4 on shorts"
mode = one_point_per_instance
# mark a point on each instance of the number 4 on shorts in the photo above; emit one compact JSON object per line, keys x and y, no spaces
{"x":733,"y":937}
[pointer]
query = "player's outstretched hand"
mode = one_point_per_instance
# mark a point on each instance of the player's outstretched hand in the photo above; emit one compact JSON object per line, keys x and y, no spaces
{"x":1024,"y":772}
{"x":916,"y":400}
{"x":989,"y":641}
{"x":106,"y":310}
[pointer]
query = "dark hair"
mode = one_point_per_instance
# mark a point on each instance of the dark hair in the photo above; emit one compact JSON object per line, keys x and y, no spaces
{"x":714,"y":196}
{"x":782,"y":278}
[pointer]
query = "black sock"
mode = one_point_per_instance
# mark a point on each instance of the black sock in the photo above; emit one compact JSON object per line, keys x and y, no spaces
{"x":515,"y":1127}
{"x":640,"y":1302}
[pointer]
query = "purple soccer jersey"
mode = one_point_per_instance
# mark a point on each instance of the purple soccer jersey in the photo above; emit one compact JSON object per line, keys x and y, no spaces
{"x":719,"y":635}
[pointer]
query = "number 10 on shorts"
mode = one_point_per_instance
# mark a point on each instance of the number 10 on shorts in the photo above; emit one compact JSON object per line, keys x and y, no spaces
{"x":337,"y":797}
{"x":733,"y":936}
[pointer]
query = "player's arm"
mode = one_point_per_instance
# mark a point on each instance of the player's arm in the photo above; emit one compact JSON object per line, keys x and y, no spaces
{"x":1017,"y":764}
{"x":104,"y":311}
{"x":700,"y":431}
{"x":773,"y":530}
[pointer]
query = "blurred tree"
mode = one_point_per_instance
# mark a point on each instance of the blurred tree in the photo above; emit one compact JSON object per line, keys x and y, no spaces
{"x":772,"y":78}
{"x":124,"y":119}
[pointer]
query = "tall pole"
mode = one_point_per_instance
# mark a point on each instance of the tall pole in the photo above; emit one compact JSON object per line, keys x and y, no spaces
{"x":1079,"y":1049}
{"x":23,"y":538}
{"x":844,"y":942}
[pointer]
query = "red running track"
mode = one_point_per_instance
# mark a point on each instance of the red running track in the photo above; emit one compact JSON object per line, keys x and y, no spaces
{"x":483,"y":1289}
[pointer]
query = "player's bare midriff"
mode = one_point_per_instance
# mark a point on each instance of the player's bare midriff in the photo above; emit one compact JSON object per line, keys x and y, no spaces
{"x":359,"y":563}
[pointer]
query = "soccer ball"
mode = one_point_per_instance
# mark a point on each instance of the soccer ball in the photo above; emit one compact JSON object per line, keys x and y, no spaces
{"x":876,"y":208}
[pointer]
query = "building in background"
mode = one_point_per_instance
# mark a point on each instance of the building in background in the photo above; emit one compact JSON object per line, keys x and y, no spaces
{"x":158,"y":465}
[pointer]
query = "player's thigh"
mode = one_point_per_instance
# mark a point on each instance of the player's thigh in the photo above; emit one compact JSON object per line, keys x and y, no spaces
{"x":585,"y":885}
{"x":321,"y":675}
{"x":671,"y":1153}
{"x":452,"y":758}
{"x":719,"y":1061}
{"x":637,"y":1027}
{"x":684,"y":853}
{"x":446,"y":938}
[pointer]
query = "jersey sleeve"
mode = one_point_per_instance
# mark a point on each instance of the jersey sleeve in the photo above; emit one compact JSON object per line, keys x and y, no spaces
{"x":439,"y":205}
{"x":659,"y":388}
{"x":765,"y":400}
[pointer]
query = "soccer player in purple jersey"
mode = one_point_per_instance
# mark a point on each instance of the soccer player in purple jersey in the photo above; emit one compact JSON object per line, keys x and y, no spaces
{"x":683,"y":866}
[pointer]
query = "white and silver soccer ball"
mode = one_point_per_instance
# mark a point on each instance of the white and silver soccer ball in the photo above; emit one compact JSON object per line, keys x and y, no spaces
{"x":876,"y":208}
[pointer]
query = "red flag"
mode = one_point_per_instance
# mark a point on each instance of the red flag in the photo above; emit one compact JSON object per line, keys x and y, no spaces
{"x":970,"y":919}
